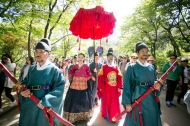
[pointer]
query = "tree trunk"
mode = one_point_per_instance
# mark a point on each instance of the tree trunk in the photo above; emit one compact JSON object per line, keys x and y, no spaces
{"x":174,"y":44}
{"x":29,"y":38}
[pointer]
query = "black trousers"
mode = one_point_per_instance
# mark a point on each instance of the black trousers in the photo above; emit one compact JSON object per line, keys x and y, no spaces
{"x":1,"y":91}
{"x":171,"y":86}
{"x":183,"y":91}
{"x":7,"y":92}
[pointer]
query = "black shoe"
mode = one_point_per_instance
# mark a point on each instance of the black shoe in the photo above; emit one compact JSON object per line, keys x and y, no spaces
{"x":172,"y":104}
{"x":168,"y":104}
{"x":178,"y":101}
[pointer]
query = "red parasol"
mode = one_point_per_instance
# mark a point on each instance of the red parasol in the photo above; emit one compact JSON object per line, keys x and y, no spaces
{"x":92,"y":23}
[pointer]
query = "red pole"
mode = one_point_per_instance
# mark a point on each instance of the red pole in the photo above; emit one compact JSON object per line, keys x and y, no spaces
{"x":34,"y":98}
{"x":144,"y":95}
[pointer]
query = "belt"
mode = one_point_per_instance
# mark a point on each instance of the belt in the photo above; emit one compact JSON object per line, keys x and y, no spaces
{"x":146,"y":84}
{"x":39,"y":87}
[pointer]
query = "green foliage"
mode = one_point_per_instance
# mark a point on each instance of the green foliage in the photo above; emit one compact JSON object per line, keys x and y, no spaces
{"x":162,"y":25}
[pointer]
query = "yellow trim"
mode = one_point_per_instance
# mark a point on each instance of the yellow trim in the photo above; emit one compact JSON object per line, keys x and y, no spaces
{"x":101,"y":71}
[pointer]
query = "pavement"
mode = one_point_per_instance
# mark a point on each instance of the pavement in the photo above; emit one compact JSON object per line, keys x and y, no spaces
{"x":5,"y":103}
{"x":171,"y":116}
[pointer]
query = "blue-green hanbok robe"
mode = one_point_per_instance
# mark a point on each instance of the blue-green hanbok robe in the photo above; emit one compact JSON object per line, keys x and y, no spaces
{"x":137,"y":73}
{"x":30,"y":113}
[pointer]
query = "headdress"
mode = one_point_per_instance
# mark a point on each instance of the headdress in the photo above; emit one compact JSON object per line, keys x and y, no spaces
{"x":44,"y":44}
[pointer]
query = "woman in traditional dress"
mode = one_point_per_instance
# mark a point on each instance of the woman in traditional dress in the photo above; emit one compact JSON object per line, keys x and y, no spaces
{"x":78,"y":102}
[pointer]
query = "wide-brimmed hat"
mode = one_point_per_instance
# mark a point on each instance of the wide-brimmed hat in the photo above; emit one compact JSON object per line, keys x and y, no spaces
{"x":133,"y":55}
{"x":184,"y":59}
{"x":151,"y":58}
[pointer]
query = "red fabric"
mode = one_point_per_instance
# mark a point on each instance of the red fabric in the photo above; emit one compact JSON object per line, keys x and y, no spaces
{"x":110,"y":93}
{"x":140,"y":110}
{"x":92,"y":23}
{"x":143,"y":96}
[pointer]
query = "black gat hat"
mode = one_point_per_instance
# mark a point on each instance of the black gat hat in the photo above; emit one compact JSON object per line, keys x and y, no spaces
{"x":44,"y":44}
{"x":140,"y":45}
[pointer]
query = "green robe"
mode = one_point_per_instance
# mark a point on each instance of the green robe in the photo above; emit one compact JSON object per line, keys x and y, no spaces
{"x":135,"y":75}
{"x":30,"y":113}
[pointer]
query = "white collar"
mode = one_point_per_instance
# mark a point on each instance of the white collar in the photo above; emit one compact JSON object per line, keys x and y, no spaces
{"x":44,"y":66}
{"x":112,"y":65}
{"x":145,"y":63}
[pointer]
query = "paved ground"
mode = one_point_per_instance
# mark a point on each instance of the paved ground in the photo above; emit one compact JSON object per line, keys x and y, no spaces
{"x":173,"y":116}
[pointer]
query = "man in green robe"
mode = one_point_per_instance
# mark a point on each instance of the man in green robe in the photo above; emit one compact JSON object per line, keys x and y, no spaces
{"x":139,"y":77}
{"x":46,"y":82}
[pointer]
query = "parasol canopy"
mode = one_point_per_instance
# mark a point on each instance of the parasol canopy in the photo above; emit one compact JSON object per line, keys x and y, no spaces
{"x":94,"y":23}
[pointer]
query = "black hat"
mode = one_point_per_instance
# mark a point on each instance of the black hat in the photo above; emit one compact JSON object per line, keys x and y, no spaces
{"x":75,"y":56}
{"x":44,"y":44}
{"x":140,"y":45}
{"x":110,"y":52}
{"x":96,"y":54}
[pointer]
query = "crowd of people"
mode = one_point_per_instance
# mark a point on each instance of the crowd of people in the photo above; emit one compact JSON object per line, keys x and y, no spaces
{"x":91,"y":81}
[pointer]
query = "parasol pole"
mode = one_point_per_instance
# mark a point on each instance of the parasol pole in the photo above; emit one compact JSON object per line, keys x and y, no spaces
{"x":143,"y":96}
{"x":34,"y":98}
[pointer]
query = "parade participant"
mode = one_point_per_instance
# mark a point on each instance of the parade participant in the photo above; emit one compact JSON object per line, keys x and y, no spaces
{"x":94,"y":68}
{"x":109,"y":84}
{"x":78,"y":101}
{"x":138,"y":79}
{"x":185,"y":78}
{"x":172,"y":80}
{"x":46,"y":82}
{"x":187,"y":97}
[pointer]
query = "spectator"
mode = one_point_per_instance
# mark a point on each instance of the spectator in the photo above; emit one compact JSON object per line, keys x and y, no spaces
{"x":172,"y":80}
{"x":185,"y":78}
{"x":25,"y":68}
{"x":151,"y":60}
{"x":132,"y":60}
{"x":8,"y":84}
{"x":122,"y":66}
{"x":56,"y":62}
{"x":187,"y":97}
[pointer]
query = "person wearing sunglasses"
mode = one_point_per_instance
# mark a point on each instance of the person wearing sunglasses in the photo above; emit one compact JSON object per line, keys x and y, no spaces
{"x":172,"y":80}
{"x":185,"y":77}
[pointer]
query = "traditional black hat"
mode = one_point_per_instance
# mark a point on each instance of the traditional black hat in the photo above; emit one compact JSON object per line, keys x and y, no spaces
{"x":44,"y":44}
{"x":140,"y":45}
{"x":96,"y":54}
{"x":110,"y":52}
{"x":75,"y":56}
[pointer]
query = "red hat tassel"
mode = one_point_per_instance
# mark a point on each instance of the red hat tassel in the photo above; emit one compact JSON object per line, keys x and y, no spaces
{"x":107,"y":40}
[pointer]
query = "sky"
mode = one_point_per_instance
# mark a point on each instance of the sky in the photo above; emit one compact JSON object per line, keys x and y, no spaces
{"x":120,"y":9}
